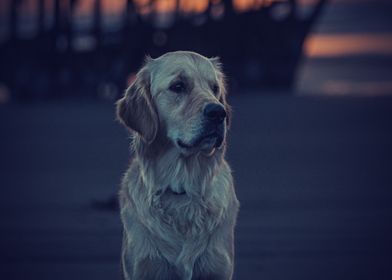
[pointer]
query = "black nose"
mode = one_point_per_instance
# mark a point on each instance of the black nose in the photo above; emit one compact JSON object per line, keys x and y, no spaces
{"x":214,"y":112}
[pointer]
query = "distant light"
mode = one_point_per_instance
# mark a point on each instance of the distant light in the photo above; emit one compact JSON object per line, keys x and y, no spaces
{"x":335,"y":45}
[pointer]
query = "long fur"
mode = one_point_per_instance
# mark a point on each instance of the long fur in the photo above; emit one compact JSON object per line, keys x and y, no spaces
{"x":168,"y":235}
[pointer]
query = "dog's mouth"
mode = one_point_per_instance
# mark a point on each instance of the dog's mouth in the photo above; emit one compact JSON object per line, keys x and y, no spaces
{"x":209,"y":139}
{"x":205,"y":141}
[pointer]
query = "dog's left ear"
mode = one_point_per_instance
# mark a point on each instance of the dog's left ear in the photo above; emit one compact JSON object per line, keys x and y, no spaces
{"x":136,"y":109}
{"x":216,"y":62}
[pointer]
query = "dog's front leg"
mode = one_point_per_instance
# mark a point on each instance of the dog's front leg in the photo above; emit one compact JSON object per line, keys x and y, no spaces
{"x":154,"y":268}
{"x":185,"y":271}
{"x":185,"y":262}
{"x":126,"y":263}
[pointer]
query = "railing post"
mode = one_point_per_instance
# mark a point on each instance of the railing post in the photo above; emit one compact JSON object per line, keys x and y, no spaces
{"x":13,"y":19}
{"x":97,"y":27}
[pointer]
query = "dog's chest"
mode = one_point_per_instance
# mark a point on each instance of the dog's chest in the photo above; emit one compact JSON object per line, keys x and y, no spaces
{"x":186,"y":216}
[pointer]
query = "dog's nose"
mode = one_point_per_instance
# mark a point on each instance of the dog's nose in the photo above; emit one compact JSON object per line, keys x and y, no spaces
{"x":214,"y":112}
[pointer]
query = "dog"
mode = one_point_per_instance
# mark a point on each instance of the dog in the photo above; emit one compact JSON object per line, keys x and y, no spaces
{"x":177,"y":200}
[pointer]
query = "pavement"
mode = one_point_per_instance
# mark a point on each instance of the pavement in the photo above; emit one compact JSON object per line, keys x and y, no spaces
{"x":313,"y":174}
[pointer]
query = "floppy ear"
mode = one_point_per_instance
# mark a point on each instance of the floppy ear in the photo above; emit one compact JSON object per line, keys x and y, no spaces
{"x":136,"y":109}
{"x":222,"y":85}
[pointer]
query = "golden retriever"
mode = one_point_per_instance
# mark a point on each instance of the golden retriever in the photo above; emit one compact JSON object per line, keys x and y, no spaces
{"x":177,"y":199}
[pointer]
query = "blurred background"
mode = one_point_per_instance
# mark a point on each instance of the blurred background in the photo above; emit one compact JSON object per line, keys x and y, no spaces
{"x":310,"y":145}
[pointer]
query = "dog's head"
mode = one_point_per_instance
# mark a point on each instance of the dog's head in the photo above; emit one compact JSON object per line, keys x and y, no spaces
{"x":182,"y":96}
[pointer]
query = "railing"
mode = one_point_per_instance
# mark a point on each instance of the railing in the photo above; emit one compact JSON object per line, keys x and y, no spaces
{"x":259,"y":47}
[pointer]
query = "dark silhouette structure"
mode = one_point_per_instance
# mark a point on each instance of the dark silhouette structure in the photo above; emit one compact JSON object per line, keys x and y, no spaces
{"x":259,"y":47}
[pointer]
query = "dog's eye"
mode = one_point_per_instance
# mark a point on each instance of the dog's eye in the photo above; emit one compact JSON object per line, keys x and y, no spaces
{"x":215,"y":89}
{"x":177,"y":87}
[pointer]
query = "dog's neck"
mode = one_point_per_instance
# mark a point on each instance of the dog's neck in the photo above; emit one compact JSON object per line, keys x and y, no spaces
{"x":164,"y":167}
{"x":170,"y":190}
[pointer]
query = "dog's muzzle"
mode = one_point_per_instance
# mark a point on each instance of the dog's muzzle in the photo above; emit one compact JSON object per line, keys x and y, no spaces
{"x":212,"y":136}
{"x":213,"y":129}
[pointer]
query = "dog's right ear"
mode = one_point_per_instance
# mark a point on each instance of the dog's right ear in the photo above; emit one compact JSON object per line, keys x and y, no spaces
{"x":136,"y":109}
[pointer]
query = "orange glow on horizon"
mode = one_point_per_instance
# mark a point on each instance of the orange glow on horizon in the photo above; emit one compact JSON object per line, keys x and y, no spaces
{"x":113,"y":7}
{"x":246,"y":5}
{"x":189,"y":6}
{"x":116,"y":7}
{"x":323,"y":45}
{"x":85,"y":7}
{"x":165,"y":6}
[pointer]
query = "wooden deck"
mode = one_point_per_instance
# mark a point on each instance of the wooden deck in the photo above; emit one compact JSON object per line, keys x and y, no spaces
{"x":314,"y":177}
